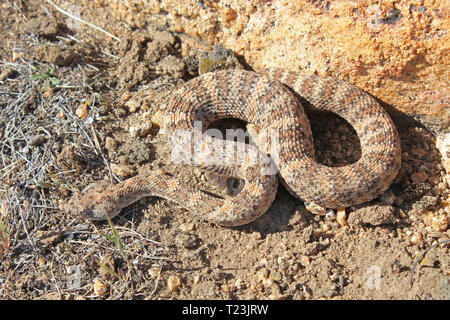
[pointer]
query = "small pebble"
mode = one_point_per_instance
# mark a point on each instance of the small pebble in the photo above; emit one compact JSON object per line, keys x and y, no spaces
{"x":341,"y":217}
{"x":158,"y":118}
{"x":16,"y":56}
{"x":82,"y":112}
{"x":61,"y":115}
{"x":330,"y":215}
{"x":416,"y":237}
{"x":49,"y":93}
{"x":188,"y":226}
{"x":326,"y":227}
{"x":239,"y":284}
{"x":305,"y":260}
{"x":439,"y":223}
{"x":100,"y":288}
{"x":256,"y":235}
{"x":4,"y":209}
{"x":174,"y":283}
{"x":132,"y":105}
{"x":228,"y":15}
{"x":126,"y":96}
{"x":315,"y":209}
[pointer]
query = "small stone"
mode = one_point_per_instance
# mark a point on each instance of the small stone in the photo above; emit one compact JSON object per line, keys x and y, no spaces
{"x":16,"y":56}
{"x":174,"y":283}
{"x":341,"y":217}
{"x":256,"y":235}
{"x":134,"y":131}
{"x":188,"y":226}
{"x":439,"y":223}
{"x":261,"y":263}
{"x":446,"y":205}
{"x":442,"y":186}
{"x":239,"y":284}
{"x":196,"y":280}
{"x":126,"y":96}
{"x":330,"y":215}
{"x":267,"y":282}
{"x":158,"y":118}
{"x":315,"y":208}
{"x":122,"y":170}
{"x":61,"y":115}
{"x":4,"y":209}
{"x":305,"y":260}
{"x":100,"y":288}
{"x":228,"y":15}
{"x":416,"y":237}
{"x":49,"y":93}
{"x":132,"y":105}
{"x":82,"y":112}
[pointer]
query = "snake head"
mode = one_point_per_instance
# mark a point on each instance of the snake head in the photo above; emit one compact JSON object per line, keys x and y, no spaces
{"x":93,"y":203}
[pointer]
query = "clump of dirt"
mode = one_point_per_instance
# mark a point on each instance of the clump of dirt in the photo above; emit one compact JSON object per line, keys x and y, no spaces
{"x":77,"y":107}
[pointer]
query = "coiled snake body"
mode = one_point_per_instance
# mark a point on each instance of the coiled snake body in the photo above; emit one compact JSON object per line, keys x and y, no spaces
{"x":266,"y":101}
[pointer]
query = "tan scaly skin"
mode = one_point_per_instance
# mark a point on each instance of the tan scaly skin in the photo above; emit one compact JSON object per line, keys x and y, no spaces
{"x":268,"y":102}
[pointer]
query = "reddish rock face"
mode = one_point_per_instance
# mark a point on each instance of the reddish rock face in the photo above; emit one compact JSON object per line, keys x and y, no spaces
{"x":395,"y":50}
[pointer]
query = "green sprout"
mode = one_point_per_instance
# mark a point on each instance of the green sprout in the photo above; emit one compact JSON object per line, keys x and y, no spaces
{"x":47,"y":76}
{"x":115,"y":236}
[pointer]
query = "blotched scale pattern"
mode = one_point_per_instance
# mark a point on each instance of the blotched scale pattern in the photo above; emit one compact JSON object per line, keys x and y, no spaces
{"x":266,"y":101}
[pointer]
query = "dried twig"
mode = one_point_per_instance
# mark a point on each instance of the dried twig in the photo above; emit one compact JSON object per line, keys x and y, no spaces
{"x":420,"y":259}
{"x":82,"y":21}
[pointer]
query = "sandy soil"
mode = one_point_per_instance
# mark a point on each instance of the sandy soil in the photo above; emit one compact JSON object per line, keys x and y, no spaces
{"x":78,"y":106}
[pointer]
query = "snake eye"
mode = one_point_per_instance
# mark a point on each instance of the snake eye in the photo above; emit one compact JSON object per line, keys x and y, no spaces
{"x":235,"y":186}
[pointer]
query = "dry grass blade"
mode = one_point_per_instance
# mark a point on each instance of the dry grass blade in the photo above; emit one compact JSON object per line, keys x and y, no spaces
{"x":82,"y":21}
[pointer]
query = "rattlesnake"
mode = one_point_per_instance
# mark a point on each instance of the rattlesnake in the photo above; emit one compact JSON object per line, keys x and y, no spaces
{"x":268,"y":101}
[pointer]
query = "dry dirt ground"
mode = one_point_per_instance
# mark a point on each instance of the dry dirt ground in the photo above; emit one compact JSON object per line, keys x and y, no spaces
{"x":78,"y":106}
